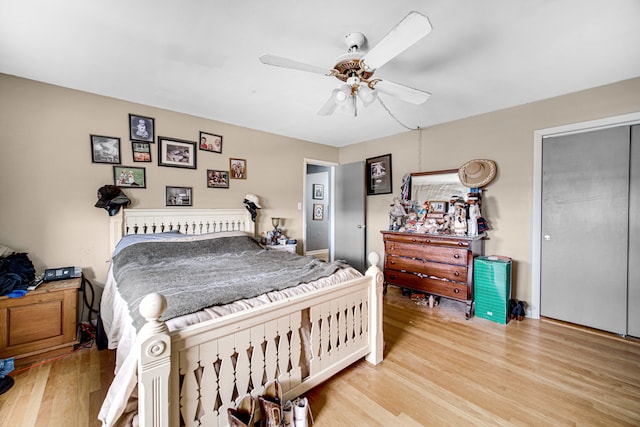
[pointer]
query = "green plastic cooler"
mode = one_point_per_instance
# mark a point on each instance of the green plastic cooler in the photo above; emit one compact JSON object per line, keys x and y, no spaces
{"x":492,"y":288}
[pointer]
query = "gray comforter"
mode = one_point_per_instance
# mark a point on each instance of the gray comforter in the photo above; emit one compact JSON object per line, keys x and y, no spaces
{"x":197,"y":274}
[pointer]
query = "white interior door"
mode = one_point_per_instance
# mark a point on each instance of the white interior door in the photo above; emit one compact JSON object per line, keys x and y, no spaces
{"x":585,"y":189}
{"x":349,"y":239}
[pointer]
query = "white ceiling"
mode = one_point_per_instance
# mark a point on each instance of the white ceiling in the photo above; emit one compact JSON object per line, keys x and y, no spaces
{"x":200,"y":57}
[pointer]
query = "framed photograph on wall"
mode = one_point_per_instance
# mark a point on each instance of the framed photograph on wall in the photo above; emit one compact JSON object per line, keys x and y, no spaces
{"x":141,"y":128}
{"x":211,"y":142}
{"x":105,"y":149}
{"x":318,"y":191}
{"x":141,"y":151}
{"x":129,"y":176}
{"x":378,"y":170}
{"x":217,"y":179}
{"x":238,"y":168}
{"x":178,"y":196}
{"x":318,"y":211}
{"x":176,"y":153}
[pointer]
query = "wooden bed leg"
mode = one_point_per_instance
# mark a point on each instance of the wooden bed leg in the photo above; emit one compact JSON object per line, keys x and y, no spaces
{"x":154,"y":364}
{"x":376,"y":335}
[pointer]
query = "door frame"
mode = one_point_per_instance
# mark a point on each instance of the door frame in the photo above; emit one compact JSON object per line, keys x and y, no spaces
{"x":536,"y":215}
{"x":330,"y":191}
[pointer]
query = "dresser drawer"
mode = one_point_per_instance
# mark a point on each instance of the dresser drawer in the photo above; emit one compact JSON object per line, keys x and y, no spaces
{"x":407,"y":280}
{"x":429,"y":253}
{"x":427,"y":268}
{"x":458,"y":291}
{"x":423,"y":239}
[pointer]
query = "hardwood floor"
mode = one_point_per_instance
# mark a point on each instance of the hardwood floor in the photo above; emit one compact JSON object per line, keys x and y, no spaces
{"x":67,"y":392}
{"x":439,"y":369}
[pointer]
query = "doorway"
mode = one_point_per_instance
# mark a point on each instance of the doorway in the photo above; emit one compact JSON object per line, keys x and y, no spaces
{"x":333,"y":214}
{"x":317,"y":212}
{"x":537,"y":234}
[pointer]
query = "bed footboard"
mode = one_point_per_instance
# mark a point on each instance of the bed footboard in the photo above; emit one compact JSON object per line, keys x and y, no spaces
{"x":201,"y":370}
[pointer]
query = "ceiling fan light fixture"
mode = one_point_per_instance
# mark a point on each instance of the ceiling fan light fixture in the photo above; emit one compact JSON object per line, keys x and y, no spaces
{"x":342,"y":94}
{"x":366,"y":95}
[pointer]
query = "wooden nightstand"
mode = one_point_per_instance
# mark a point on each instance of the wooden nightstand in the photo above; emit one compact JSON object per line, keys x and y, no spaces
{"x":41,"y":324}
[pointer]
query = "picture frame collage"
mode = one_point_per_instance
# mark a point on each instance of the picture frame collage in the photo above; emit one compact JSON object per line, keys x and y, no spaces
{"x":171,"y":152}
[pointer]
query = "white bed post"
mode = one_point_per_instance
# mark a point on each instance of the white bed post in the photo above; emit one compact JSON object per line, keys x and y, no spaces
{"x":154,"y":364}
{"x":116,"y":229}
{"x":376,"y":335}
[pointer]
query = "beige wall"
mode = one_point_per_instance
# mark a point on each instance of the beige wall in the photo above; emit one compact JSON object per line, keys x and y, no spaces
{"x":505,"y":136}
{"x":49,"y":184}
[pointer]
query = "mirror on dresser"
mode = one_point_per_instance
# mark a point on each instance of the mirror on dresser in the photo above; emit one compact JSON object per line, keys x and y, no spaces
{"x":437,"y":185}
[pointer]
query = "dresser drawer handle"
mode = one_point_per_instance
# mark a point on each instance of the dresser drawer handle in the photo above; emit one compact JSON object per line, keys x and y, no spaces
{"x":457,"y":273}
{"x":456,"y":291}
{"x":456,"y":256}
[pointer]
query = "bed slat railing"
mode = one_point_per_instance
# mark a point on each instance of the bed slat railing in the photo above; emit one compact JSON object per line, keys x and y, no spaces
{"x":216,"y":362}
{"x":184,"y":220}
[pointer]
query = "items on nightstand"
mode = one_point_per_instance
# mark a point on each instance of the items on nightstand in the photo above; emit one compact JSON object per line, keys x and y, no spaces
{"x":16,"y":273}
{"x":276,"y":232}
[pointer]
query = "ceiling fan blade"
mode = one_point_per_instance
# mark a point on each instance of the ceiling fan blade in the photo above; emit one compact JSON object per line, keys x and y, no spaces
{"x":330,"y":106}
{"x":412,"y":28}
{"x":402,"y":92}
{"x":279,"y":61}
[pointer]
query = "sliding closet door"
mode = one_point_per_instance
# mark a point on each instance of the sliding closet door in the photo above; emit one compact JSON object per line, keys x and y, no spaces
{"x":634,"y":236}
{"x":585,"y":189}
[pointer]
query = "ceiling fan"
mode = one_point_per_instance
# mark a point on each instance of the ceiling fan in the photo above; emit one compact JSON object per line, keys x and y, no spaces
{"x":356,"y":68}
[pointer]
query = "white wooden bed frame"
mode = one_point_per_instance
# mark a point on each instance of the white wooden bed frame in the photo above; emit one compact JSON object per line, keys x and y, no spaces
{"x":191,"y":376}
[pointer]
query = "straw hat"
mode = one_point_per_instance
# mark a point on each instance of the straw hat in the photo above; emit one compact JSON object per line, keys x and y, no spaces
{"x":477,"y":173}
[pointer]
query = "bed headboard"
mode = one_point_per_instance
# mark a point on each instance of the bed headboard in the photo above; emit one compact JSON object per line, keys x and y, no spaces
{"x":187,"y":221}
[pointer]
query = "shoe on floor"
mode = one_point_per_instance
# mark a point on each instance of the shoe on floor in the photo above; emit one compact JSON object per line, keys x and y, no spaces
{"x":5,"y":384}
{"x":271,"y":404}
{"x":243,"y":414}
{"x":520,"y":312}
{"x":287,"y":413}
{"x":302,"y":413}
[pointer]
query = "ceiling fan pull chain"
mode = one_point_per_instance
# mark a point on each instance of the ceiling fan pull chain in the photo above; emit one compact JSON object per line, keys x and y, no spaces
{"x":394,"y":117}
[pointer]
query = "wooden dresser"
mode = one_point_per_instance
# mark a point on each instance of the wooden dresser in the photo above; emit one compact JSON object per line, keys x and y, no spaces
{"x":41,"y":324}
{"x":434,"y":264}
